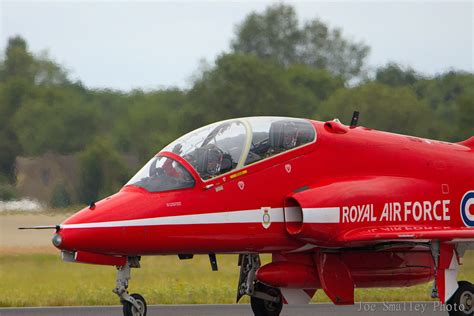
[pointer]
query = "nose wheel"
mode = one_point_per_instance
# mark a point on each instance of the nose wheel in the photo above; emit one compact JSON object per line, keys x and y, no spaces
{"x":134,"y":304}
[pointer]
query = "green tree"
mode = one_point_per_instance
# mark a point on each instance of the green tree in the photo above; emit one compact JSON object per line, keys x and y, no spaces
{"x":317,"y":82}
{"x":16,"y":79}
{"x":57,"y":120}
{"x":381,"y":107}
{"x":465,"y":117}
{"x":245,"y":85}
{"x":47,"y":72}
{"x":239,"y":85}
{"x":19,"y":62}
{"x":448,"y":96}
{"x":9,"y":149}
{"x":275,"y":34}
{"x":101,"y":171}
{"x":325,"y":48}
{"x":444,"y":88}
{"x":394,"y":75}
{"x":149,"y":123}
{"x":22,"y":79}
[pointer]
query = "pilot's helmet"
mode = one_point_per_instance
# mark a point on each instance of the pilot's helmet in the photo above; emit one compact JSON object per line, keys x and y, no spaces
{"x":214,"y":160}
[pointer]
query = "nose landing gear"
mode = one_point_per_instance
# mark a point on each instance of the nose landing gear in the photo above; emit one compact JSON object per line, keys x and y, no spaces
{"x":134,"y":304}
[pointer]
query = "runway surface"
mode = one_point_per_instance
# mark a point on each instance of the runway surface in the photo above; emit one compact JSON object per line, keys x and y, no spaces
{"x":386,"y":309}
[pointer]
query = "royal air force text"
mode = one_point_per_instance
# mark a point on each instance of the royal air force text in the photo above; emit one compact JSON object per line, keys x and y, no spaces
{"x":398,"y":212}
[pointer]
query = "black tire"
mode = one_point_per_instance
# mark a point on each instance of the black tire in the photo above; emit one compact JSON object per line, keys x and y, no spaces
{"x":130,"y":310}
{"x":262,"y":307}
{"x":462,"y":301}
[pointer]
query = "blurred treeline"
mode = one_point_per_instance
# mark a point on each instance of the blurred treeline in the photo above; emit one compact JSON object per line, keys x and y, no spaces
{"x":276,"y":65}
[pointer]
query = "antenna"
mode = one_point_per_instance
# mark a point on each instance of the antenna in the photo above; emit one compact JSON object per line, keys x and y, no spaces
{"x":355,"y":119}
{"x":57,"y":227}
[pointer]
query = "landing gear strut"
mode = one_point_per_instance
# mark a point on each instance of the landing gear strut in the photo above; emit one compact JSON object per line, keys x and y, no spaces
{"x":134,"y":304}
{"x":249,"y":264}
{"x":434,"y":246}
{"x":265,"y":300}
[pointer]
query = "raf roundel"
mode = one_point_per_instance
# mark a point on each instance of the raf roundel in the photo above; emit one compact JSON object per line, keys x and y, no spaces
{"x":467,"y":203}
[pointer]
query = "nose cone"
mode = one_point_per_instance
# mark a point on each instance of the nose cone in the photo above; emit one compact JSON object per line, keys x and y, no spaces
{"x":99,"y":228}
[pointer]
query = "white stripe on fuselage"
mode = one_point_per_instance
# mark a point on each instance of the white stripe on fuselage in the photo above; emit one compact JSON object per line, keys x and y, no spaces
{"x":247,"y":216}
{"x":321,"y":215}
{"x":311,"y":216}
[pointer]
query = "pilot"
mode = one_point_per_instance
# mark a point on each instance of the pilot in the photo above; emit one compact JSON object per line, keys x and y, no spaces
{"x":210,"y":161}
{"x":227,"y":164}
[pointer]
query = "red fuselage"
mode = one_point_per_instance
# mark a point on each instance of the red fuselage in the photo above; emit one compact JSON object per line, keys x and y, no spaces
{"x":206,"y":218}
{"x":347,"y":189}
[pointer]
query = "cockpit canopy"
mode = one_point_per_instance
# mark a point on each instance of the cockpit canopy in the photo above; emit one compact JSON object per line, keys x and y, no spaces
{"x":213,"y":149}
{"x":221,"y":147}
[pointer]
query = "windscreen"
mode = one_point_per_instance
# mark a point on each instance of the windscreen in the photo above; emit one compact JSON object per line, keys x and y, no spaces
{"x":162,"y":174}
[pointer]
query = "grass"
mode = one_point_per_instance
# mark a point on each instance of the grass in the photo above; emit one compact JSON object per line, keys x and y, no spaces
{"x":45,"y":280}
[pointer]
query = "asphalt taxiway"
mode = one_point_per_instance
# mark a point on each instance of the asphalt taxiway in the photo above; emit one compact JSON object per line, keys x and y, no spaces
{"x":386,"y":309}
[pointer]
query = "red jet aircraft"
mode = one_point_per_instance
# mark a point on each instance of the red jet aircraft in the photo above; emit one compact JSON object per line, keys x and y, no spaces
{"x":337,"y":207}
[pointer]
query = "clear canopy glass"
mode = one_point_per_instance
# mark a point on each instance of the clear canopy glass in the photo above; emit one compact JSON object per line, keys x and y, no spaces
{"x":162,"y":174}
{"x":274,"y":135}
{"x":223,"y":146}
{"x":214,"y":149}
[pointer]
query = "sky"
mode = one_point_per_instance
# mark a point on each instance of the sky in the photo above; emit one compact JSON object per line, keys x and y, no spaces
{"x":149,"y":45}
